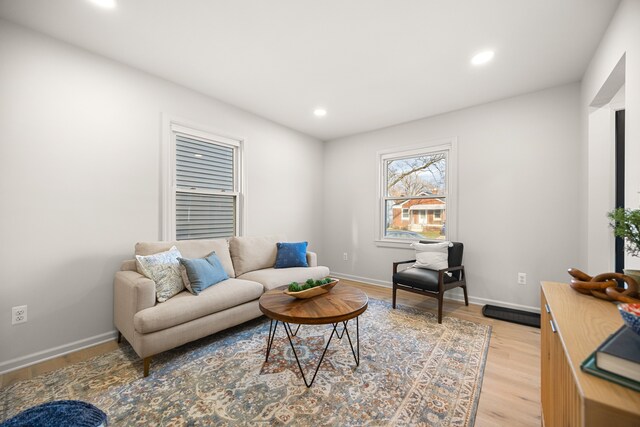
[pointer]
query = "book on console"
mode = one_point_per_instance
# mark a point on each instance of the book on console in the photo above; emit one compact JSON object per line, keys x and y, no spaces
{"x":620,"y":354}
{"x":589,"y":366}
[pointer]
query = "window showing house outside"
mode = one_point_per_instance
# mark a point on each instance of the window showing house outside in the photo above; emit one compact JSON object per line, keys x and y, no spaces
{"x":414,"y":195}
{"x":205,"y":198}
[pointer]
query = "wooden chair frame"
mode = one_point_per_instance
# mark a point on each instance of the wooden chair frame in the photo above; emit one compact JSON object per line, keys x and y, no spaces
{"x":442,"y":286}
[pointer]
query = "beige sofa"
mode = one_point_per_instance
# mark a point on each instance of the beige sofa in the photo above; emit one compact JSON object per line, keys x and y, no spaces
{"x":152,"y":327}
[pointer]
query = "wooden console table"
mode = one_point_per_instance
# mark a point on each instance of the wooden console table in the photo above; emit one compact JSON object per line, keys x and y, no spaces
{"x":573,"y":326}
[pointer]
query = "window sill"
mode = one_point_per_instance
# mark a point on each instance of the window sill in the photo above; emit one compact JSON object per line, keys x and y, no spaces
{"x":394,"y":244}
{"x":402,"y":244}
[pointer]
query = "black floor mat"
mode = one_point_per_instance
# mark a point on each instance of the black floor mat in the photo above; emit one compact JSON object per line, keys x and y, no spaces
{"x":511,"y":315}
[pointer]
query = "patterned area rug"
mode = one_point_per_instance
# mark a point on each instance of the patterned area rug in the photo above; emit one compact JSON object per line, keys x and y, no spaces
{"x":412,"y":372}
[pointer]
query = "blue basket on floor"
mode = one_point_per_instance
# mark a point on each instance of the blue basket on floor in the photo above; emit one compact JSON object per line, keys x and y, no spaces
{"x":60,"y":413}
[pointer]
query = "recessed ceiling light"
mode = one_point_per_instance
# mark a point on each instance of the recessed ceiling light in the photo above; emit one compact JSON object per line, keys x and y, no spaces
{"x":106,"y":4}
{"x":482,"y":57}
{"x":320,"y":112}
{"x":197,"y":155}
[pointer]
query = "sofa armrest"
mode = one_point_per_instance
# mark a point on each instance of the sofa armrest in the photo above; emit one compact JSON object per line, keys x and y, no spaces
{"x":312,"y":259}
{"x":129,"y":265}
{"x":132,"y":292}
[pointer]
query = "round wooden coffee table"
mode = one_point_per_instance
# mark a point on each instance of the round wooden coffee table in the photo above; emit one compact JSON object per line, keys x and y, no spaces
{"x":338,"y":306}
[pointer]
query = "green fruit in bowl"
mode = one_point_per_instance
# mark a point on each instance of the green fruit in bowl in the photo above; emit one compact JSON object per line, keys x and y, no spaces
{"x":310,"y":282}
{"x":294,"y":287}
{"x":328,"y":280}
{"x":319,"y":283}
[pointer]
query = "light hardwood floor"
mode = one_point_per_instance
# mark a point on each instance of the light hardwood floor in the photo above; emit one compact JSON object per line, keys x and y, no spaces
{"x":511,"y":386}
{"x":510,"y":390}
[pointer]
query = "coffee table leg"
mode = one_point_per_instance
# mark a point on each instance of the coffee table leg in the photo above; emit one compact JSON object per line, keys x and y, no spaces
{"x":271,"y":337}
{"x":321,"y":357}
{"x":356,"y":357}
{"x":358,"y":338}
{"x":342,"y":334}
{"x":288,"y":325}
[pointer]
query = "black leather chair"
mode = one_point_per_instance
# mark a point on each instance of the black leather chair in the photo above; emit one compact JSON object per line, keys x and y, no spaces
{"x":432,"y":283}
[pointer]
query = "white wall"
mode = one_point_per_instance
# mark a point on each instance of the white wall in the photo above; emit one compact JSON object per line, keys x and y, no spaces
{"x":517,"y":194}
{"x":80,"y":184}
{"x":622,"y":38}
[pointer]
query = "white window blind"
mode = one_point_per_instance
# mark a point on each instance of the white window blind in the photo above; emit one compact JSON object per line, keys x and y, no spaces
{"x":206,"y":188}
{"x":203,"y":165}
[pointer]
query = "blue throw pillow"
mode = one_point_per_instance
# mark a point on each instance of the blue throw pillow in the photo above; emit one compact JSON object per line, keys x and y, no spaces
{"x":202,"y":272}
{"x":292,"y":255}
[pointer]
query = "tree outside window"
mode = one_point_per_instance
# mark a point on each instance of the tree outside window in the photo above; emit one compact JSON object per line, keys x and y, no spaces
{"x":415,"y":195}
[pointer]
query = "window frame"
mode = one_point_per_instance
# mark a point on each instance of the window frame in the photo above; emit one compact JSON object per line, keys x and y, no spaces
{"x":448,"y":145}
{"x":171,"y":128}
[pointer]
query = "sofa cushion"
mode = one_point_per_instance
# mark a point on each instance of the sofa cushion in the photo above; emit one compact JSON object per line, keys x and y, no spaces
{"x":164,"y":269}
{"x":192,"y":249}
{"x":185,"y":307}
{"x":253,"y":253}
{"x":200,"y":273}
{"x":291,"y":255}
{"x":273,"y":277}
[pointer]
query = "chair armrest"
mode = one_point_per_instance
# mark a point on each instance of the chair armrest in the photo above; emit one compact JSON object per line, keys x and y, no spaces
{"x":132,"y":292}
{"x":396,"y":264}
{"x":449,"y":269}
{"x":459,"y":267}
{"x":312,"y":259}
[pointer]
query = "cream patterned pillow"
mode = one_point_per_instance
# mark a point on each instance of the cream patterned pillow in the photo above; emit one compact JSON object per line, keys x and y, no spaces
{"x":164,"y":270}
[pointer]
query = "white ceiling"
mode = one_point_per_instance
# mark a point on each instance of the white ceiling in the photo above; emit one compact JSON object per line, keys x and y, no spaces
{"x":370,"y":63}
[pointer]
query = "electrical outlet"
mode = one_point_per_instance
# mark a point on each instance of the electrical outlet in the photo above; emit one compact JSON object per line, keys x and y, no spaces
{"x":522,"y":278}
{"x":345,"y":257}
{"x":18,"y":314}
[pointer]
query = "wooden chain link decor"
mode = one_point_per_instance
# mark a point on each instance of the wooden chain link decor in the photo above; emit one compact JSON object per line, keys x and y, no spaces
{"x":605,"y":286}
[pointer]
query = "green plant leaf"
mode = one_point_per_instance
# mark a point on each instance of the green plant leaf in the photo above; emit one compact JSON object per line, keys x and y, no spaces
{"x":626,"y":224}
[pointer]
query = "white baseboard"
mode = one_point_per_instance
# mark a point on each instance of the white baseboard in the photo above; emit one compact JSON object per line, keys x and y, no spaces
{"x":362,"y":279}
{"x":451,"y":295}
{"x":41,"y":356}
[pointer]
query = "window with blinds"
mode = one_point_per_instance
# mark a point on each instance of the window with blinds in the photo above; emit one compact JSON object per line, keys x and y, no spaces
{"x":206,"y":188}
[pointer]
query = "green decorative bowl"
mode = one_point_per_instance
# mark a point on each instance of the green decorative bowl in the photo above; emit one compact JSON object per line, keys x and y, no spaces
{"x":312,"y":292}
